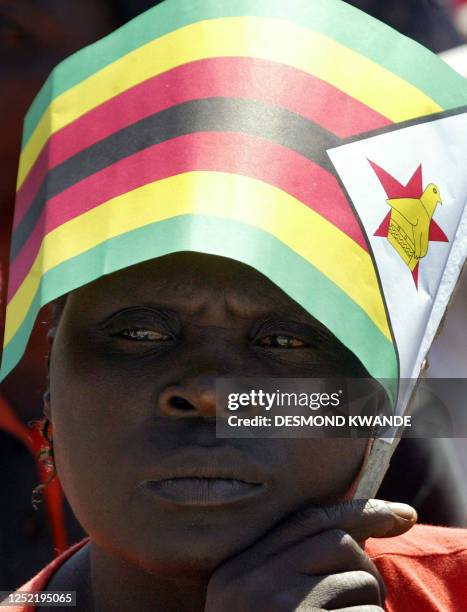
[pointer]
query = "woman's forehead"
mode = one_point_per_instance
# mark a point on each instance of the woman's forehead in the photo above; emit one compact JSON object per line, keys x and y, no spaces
{"x":189,"y":276}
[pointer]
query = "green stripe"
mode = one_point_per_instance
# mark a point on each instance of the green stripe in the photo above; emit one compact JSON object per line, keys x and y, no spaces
{"x":335,"y":18}
{"x":205,"y":234}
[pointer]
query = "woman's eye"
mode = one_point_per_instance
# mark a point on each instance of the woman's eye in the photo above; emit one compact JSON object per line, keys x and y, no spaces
{"x":148,"y":335}
{"x":281,"y":341}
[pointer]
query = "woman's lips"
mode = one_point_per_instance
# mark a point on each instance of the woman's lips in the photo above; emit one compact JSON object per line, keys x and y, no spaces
{"x":200,"y":491}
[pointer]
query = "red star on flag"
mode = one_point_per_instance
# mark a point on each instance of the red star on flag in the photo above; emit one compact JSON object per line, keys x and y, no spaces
{"x":409,"y":196}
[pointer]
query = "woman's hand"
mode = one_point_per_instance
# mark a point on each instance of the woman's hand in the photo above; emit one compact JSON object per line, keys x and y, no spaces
{"x":313,"y":561}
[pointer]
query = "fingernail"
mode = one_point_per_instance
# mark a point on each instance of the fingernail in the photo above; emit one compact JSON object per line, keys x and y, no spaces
{"x":403,"y":511}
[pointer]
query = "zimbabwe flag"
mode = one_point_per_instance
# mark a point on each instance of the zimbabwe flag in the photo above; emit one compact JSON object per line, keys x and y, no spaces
{"x":206,"y":126}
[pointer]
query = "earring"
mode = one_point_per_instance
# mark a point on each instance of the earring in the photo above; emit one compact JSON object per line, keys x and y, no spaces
{"x":44,"y":432}
{"x":46,"y":452}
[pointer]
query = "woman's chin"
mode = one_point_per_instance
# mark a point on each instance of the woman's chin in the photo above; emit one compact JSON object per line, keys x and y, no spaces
{"x":192,"y":550}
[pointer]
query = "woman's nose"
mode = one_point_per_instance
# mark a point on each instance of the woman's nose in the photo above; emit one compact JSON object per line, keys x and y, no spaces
{"x":195,"y":398}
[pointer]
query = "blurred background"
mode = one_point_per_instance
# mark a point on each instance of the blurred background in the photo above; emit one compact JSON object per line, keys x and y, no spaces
{"x":34,"y":36}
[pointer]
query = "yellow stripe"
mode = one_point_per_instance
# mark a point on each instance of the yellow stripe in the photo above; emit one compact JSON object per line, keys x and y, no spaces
{"x":224,"y":195}
{"x":264,"y":38}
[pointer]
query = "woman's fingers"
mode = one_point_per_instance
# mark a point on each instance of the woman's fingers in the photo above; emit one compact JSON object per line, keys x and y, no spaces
{"x":311,"y":561}
{"x":331,"y":552}
{"x":345,"y":590}
{"x":362,"y":519}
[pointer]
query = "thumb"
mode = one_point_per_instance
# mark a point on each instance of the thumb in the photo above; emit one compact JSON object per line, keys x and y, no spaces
{"x":361,"y":518}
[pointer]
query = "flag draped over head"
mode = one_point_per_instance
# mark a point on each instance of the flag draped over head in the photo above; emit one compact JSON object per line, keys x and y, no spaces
{"x":249,"y":130}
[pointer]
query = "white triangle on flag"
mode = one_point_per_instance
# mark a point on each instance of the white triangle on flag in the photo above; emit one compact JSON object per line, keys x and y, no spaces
{"x":440,"y":147}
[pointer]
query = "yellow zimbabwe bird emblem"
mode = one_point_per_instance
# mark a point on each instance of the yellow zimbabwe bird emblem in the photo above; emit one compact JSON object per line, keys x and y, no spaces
{"x":409,"y":226}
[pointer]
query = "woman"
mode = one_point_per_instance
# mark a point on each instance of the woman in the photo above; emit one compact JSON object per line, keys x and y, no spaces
{"x":165,"y":501}
{"x":175,"y":182}
{"x":182,"y":520}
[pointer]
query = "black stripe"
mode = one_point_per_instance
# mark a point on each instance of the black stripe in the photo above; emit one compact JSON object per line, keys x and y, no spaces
{"x":395,"y":127}
{"x":208,"y":115}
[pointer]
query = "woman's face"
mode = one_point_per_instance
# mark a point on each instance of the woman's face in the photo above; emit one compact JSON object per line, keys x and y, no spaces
{"x":132,"y":387}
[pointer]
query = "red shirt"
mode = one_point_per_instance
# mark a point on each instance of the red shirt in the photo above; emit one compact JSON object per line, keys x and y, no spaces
{"x":424,"y":570}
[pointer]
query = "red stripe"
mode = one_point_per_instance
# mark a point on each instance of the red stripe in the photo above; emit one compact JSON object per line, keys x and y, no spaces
{"x":209,"y":151}
{"x":240,"y":77}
